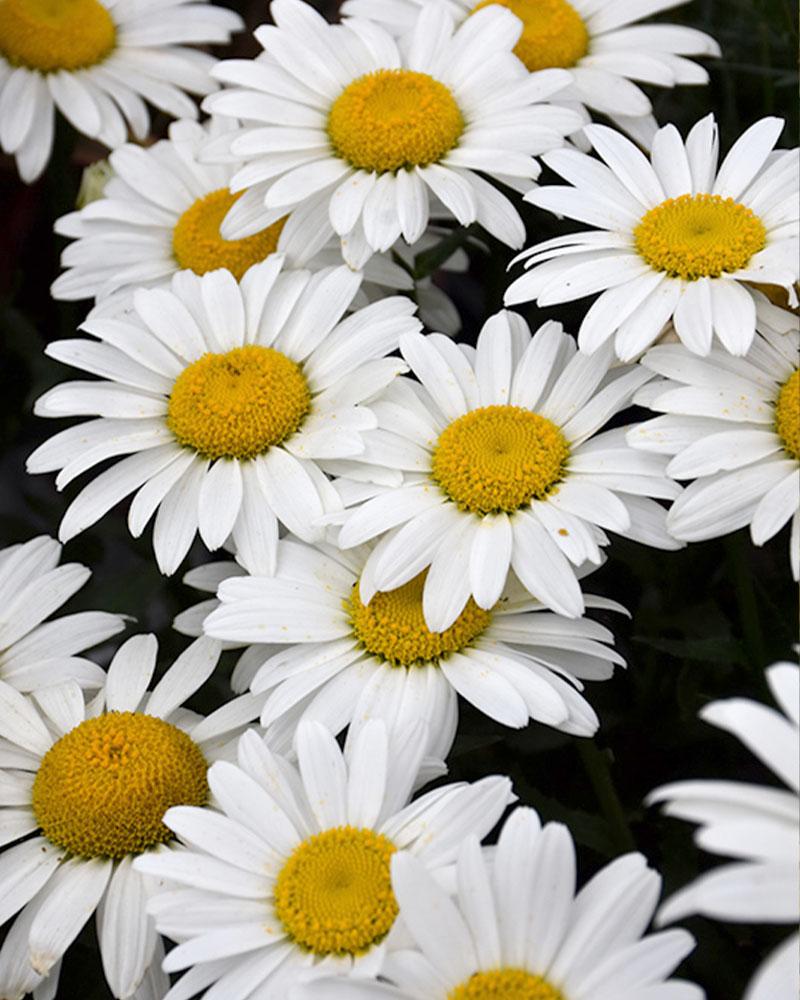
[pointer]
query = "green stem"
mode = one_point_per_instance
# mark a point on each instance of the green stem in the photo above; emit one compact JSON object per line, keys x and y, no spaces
{"x":738,"y":558}
{"x":595,"y":762}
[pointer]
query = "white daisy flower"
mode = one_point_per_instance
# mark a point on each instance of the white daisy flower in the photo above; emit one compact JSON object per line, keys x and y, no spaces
{"x":676,"y":237}
{"x":601,"y":44}
{"x":348,"y":661}
{"x":292,"y":880}
{"x":83,"y":789}
{"x":362,"y":130}
{"x":36,"y":653}
{"x":757,"y":825}
{"x":228,"y":398}
{"x":503,"y":469}
{"x":517,"y":929}
{"x":733,"y":425}
{"x":97,"y":62}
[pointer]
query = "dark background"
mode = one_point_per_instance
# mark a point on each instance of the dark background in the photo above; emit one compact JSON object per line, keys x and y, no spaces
{"x":706,"y":620}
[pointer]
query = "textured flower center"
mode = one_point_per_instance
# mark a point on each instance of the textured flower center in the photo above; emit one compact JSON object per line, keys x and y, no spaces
{"x":392,"y":626}
{"x":553,"y":32}
{"x":198,"y":246}
{"x":102,"y":789}
{"x":334,"y":894}
{"x":787,"y":415}
{"x":505,"y":984}
{"x":499,"y":458}
{"x":238,"y":404}
{"x":699,"y":236}
{"x":394,"y":118}
{"x":49,"y":35}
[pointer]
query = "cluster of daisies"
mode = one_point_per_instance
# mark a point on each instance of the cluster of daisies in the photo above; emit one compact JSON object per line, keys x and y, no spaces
{"x":406,"y":519}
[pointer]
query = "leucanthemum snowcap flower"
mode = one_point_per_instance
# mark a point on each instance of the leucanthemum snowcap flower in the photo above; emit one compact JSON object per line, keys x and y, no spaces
{"x":97,"y":62}
{"x":733,"y":425}
{"x":503,"y":469}
{"x":291,"y":880}
{"x":676,"y":237}
{"x":227,"y":398}
{"x":361,"y":130}
{"x":759,"y":826}
{"x":36,"y":653}
{"x":516,"y":929}
{"x":601,"y":45}
{"x":83,"y":788}
{"x":349,"y":661}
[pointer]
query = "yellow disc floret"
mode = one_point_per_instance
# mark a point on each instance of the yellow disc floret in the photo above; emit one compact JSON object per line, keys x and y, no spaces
{"x":699,"y":236}
{"x":49,"y":35}
{"x":787,"y":415}
{"x":238,"y":404}
{"x":553,"y":32}
{"x":103,"y":788}
{"x":198,"y":246}
{"x":334,"y":894}
{"x":392,"y":626}
{"x":499,"y":458}
{"x":505,"y":984}
{"x":394,"y":118}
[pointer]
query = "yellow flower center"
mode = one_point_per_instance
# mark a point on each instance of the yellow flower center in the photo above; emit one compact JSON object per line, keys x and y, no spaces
{"x":787,"y":415}
{"x":103,"y":788}
{"x":699,"y":236}
{"x":198,"y":246}
{"x":238,"y":404}
{"x":499,"y":458}
{"x":49,"y":35}
{"x":553,"y":32}
{"x":392,"y":626}
{"x":505,"y":984}
{"x":394,"y":118}
{"x":334,"y":894}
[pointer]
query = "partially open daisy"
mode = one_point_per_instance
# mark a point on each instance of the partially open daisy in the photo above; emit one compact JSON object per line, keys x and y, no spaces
{"x":601,"y":45}
{"x":733,"y":425}
{"x":291,"y":880}
{"x":366,"y":131}
{"x":97,"y":62}
{"x":83,"y":792}
{"x":35,"y":653}
{"x":330,"y":648}
{"x":227,"y":398}
{"x":676,"y":237}
{"x":503,"y":469}
{"x":757,"y":825}
{"x":517,"y":930}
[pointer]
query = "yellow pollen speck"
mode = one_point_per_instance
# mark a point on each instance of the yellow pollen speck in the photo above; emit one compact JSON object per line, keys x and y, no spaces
{"x":699,"y":236}
{"x":238,"y":404}
{"x":394,"y":118}
{"x":198,"y":246}
{"x":103,"y":788}
{"x":499,"y":458}
{"x":49,"y":35}
{"x":553,"y":32}
{"x":505,"y":984}
{"x":334,"y":894}
{"x":787,"y":415}
{"x":392,"y":626}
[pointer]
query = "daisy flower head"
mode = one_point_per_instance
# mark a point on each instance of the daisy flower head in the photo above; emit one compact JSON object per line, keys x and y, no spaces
{"x":733,"y":426}
{"x":504,"y":469}
{"x":97,"y":62}
{"x":83,"y":788}
{"x":288,"y":878}
{"x":757,"y":825}
{"x":35,"y":653}
{"x":602,"y":45}
{"x":227,"y":399}
{"x":676,"y":238}
{"x":516,"y":929}
{"x":364,"y":131}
